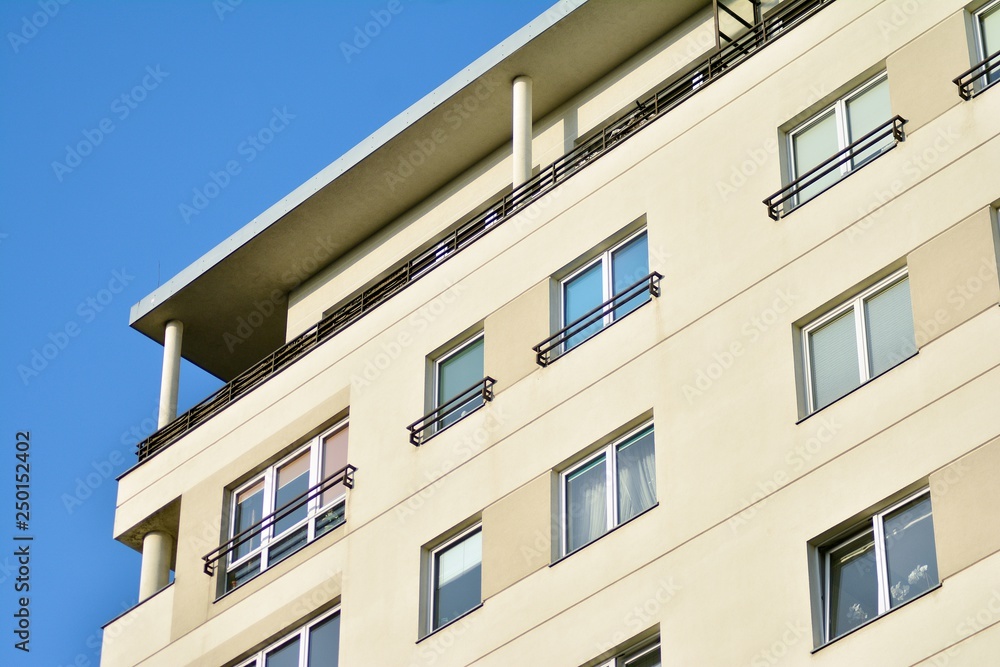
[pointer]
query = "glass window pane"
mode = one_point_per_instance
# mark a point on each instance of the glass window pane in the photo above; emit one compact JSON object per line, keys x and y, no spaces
{"x":458,"y":579}
{"x":284,"y":656}
{"x":833,"y":360}
{"x":242,"y":573}
{"x":286,"y":545}
{"x":292,"y":481}
{"x":644,"y":658}
{"x":334,"y":458}
{"x":810,"y":147}
{"x":249,"y":510}
{"x":581,"y":295}
{"x":989,"y":24}
{"x":909,"y":547}
{"x":324,"y":643}
{"x":636,"y":476}
{"x":889,"y":319}
{"x":586,"y":504}
{"x":865,"y":112}
{"x":629,"y":264}
{"x":853,"y":586}
{"x":457,"y":373}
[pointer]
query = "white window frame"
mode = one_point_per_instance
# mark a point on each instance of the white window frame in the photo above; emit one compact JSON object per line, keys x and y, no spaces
{"x":432,"y":575}
{"x":983,"y":81}
{"x":471,"y":340}
{"x":875,"y":524}
{"x":259,"y":658}
{"x":978,"y":21}
{"x":606,"y":283}
{"x":610,"y":453}
{"x":860,"y":330}
{"x":839,"y":108}
{"x":628,"y":658}
{"x":269,"y":476}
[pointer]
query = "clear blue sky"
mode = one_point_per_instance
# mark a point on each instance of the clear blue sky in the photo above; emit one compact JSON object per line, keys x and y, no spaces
{"x":113,"y":113}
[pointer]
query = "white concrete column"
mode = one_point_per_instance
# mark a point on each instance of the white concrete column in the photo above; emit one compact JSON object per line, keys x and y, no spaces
{"x":522,"y":129}
{"x":155,"y":572}
{"x":170,"y":379}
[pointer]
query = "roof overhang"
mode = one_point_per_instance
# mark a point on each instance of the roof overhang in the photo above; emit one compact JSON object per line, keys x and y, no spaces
{"x":564,"y":50}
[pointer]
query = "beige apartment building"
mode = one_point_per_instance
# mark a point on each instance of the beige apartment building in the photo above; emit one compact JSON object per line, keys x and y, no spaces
{"x":666,"y":333}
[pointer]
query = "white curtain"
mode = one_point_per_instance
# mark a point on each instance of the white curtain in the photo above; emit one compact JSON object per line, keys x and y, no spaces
{"x":587,"y":504}
{"x":636,"y":477}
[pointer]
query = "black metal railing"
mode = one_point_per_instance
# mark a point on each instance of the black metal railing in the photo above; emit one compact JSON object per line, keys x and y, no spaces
{"x":683,"y":87}
{"x":434,"y":422}
{"x":343,"y":476}
{"x":556,"y":345}
{"x":978,"y":78}
{"x":782,"y":202}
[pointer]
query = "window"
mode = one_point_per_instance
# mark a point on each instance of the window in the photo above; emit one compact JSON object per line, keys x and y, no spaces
{"x":888,"y":560}
{"x":858,"y":340}
{"x":647,"y":656}
{"x":988,"y":36}
{"x":608,"y":488}
{"x":610,"y":274}
{"x":456,"y":577}
{"x":315,"y":645}
{"x":834,"y":129}
{"x":456,"y":374}
{"x":280,"y":489}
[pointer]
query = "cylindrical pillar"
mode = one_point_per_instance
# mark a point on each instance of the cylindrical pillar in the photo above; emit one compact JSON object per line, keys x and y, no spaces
{"x":170,"y":378}
{"x":155,"y":572}
{"x":522,"y":129}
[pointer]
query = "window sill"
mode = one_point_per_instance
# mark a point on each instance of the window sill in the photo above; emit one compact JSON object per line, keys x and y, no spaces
{"x":448,"y":624}
{"x":598,"y":539}
{"x":860,"y":386}
{"x":872,"y":620}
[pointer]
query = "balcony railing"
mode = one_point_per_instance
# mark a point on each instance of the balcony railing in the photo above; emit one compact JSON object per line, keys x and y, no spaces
{"x":558,"y":343}
{"x":777,"y":23}
{"x":979,"y":78}
{"x":442,"y":417}
{"x":343,"y":476}
{"x":785,"y":200}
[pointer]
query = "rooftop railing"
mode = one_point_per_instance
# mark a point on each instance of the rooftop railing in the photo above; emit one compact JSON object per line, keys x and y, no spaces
{"x":979,"y":78}
{"x":343,"y":476}
{"x":465,"y":403}
{"x":782,"y":202}
{"x":691,"y":81}
{"x":561,"y":342}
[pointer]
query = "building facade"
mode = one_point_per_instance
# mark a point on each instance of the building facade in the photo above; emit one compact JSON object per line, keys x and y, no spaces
{"x":665,"y":333}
